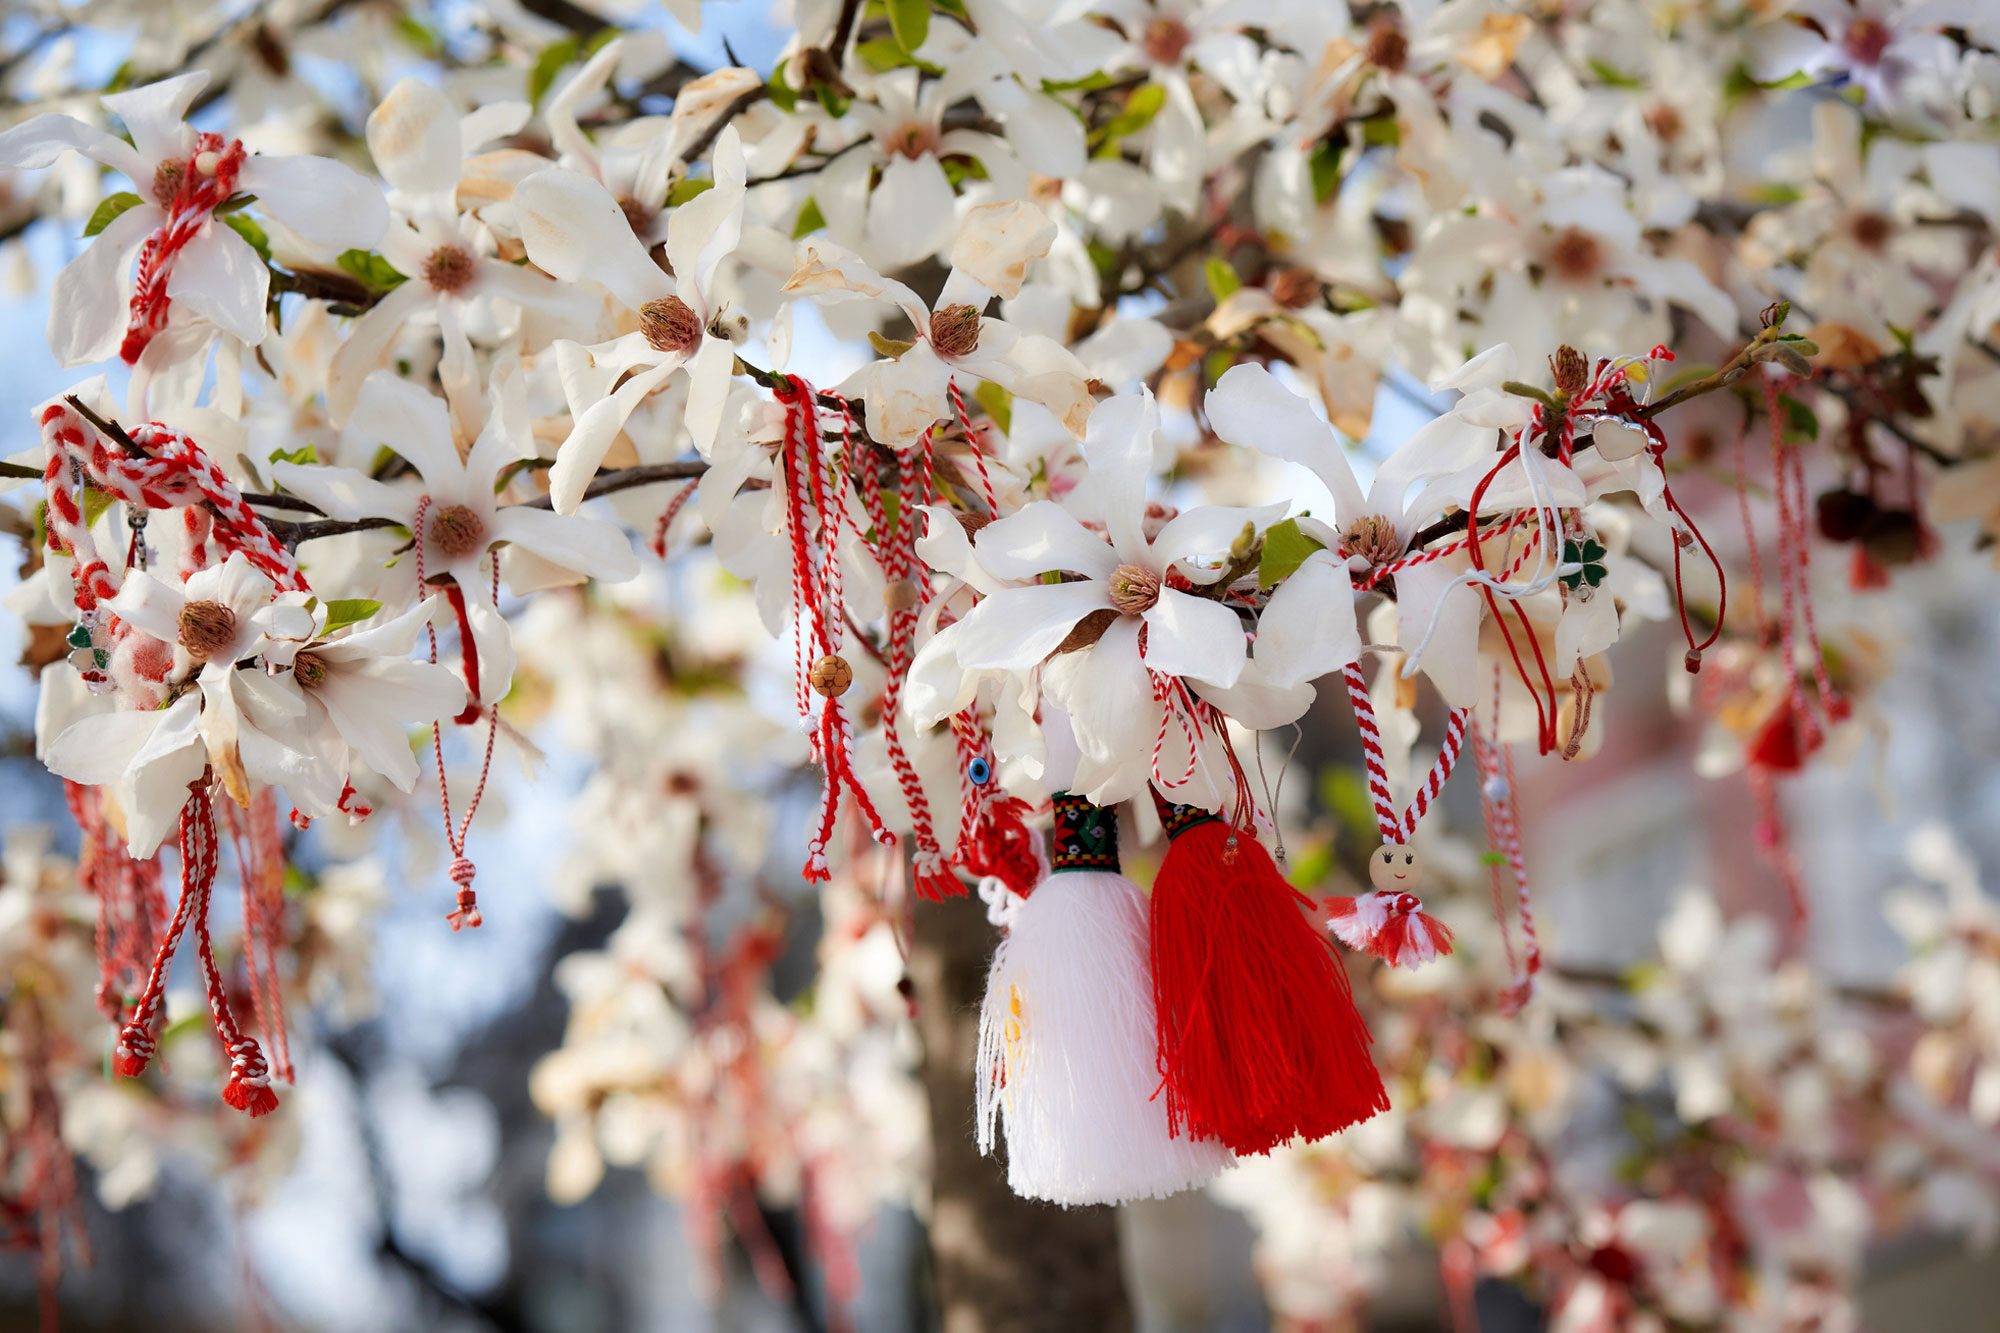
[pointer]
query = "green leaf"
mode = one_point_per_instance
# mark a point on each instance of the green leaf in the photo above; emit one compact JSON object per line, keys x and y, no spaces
{"x":999,"y":405}
{"x":889,"y":347}
{"x":1285,"y":549}
{"x":783,"y":95}
{"x":1612,"y":75}
{"x":344,"y":611}
{"x":1222,"y":279}
{"x":250,"y":232}
{"x":1801,"y":425}
{"x":1325,"y":165}
{"x":1381,"y":132}
{"x":810,"y":219}
{"x":1142,"y":104}
{"x":1090,"y":82}
{"x":549,"y":63}
{"x":910,"y":20}
{"x":835,"y":102}
{"x":95,"y":502}
{"x":107,"y":212}
{"x":304,"y":454}
{"x":374,"y":272}
{"x":882,"y":54}
{"x":686,"y":188}
{"x":235,"y":203}
{"x":419,"y":38}
{"x":598,"y":41}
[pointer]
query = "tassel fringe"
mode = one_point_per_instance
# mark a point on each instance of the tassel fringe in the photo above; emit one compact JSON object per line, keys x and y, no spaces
{"x":1390,"y":926}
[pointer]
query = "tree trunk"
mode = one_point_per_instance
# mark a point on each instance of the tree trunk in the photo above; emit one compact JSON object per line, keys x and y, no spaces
{"x":1003,"y":1264}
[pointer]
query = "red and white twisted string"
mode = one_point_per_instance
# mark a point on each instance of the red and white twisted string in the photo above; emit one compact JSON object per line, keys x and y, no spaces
{"x":821,"y":615}
{"x":895,"y":552}
{"x":201,"y":192}
{"x":1401,"y":827}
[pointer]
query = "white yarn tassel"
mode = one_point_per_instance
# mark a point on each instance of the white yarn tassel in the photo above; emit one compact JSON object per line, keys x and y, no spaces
{"x":1067,"y":1066}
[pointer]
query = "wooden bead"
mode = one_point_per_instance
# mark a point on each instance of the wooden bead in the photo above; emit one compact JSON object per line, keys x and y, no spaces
{"x":830,"y":676}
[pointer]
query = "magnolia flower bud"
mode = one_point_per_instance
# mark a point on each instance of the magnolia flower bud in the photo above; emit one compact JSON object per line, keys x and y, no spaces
{"x":670,"y":324}
{"x":955,"y":330}
{"x":206,"y":628}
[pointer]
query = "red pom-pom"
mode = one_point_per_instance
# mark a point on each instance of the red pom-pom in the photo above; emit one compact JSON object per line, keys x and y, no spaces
{"x":255,"y":1099}
{"x":127,"y":1065}
{"x":1259,"y":1038}
{"x":1391,"y":926}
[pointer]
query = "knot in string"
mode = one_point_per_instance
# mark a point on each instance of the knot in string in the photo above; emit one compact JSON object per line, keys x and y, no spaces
{"x":467,"y":914}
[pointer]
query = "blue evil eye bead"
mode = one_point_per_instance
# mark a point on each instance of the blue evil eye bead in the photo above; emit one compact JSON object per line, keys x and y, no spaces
{"x":979,"y":771}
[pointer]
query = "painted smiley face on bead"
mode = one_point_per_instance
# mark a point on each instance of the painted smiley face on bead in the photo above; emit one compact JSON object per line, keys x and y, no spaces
{"x":1394,"y":868}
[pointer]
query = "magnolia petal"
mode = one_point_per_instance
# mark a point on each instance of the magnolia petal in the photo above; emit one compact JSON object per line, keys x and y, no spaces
{"x":343,"y":493}
{"x":1014,"y":628}
{"x":1194,"y":637}
{"x":998,"y":241}
{"x":1308,"y":628}
{"x":219,"y":277}
{"x":150,"y":605}
{"x":1429,"y":601}
{"x":578,"y":457}
{"x":42,"y":140}
{"x":703,"y":231}
{"x":88,"y":300}
{"x":1040,"y":538}
{"x":585,"y":545}
{"x":709,"y":378}
{"x":906,"y":396}
{"x":1118,"y":448}
{"x":367,"y":347}
{"x":373,"y":703}
{"x":325,"y":203}
{"x":413,"y":135}
{"x":411,"y":420}
{"x":156,"y":115}
{"x":574,"y":231}
{"x":1249,"y":408}
{"x":910,"y":213}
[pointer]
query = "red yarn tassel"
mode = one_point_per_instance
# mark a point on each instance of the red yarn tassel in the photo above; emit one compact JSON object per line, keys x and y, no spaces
{"x":1391,"y":926}
{"x":1259,"y":1038}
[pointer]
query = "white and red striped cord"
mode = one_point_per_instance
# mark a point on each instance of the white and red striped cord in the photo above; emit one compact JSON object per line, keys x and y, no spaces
{"x":1399,"y":827}
{"x":821,"y":615}
{"x":205,"y":186}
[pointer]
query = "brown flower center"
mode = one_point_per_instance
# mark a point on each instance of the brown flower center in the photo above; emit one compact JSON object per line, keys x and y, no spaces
{"x":1134,"y":590}
{"x":168,"y":178}
{"x":1388,"y":49}
{"x":638,"y":216}
{"x":1569,"y":369}
{"x":206,"y":628}
{"x":1166,"y":41}
{"x":1295,"y":288}
{"x":1372,"y":537}
{"x":1869,"y":230}
{"x":670,"y":324}
{"x":1664,"y":121}
{"x":448,"y":269}
{"x":1865,"y":40}
{"x":1576,"y":255}
{"x":310,"y":670}
{"x":913,"y":139}
{"x":955,"y":330}
{"x":458,"y":531}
